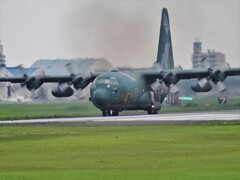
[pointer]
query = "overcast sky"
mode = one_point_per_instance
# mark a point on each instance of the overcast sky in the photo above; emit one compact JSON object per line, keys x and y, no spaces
{"x":124,"y":32}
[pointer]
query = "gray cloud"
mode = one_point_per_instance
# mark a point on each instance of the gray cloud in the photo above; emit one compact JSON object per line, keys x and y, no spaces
{"x":118,"y":32}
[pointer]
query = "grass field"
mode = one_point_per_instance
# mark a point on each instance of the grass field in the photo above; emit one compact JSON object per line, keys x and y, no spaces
{"x":27,"y":111}
{"x":143,"y":152}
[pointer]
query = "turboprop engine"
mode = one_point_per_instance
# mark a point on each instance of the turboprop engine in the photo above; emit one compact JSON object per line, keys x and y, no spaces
{"x":202,"y":86}
{"x":63,"y":90}
{"x":33,"y":82}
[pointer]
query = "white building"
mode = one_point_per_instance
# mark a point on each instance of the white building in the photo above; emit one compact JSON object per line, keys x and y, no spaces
{"x":209,"y":59}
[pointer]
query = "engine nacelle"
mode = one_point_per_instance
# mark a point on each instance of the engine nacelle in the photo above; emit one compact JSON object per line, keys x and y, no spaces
{"x":34,"y":82}
{"x":82,"y":81}
{"x":206,"y":88}
{"x":66,"y":92}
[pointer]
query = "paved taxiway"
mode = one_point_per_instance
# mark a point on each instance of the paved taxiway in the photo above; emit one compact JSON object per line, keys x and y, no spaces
{"x":165,"y":118}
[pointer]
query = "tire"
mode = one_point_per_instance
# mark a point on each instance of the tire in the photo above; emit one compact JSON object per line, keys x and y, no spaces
{"x":150,"y":111}
{"x":104,"y":113}
{"x":115,"y":113}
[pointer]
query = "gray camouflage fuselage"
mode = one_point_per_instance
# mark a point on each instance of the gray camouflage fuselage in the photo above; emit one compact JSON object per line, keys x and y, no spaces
{"x":119,"y":91}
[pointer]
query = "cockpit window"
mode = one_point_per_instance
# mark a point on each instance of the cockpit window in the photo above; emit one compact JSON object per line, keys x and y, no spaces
{"x":111,"y":81}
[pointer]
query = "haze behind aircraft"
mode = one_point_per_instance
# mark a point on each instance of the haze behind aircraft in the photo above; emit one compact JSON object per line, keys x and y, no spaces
{"x":115,"y":91}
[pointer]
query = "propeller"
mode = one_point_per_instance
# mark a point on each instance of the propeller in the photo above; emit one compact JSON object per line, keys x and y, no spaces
{"x":76,"y":81}
{"x":27,"y":82}
{"x":80,"y":94}
{"x":170,"y":80}
{"x":203,"y":59}
{"x":155,"y":85}
{"x":10,"y":90}
{"x":69,"y":68}
{"x":173,"y":89}
{"x":217,"y":78}
{"x":202,"y":82}
{"x":23,"y":74}
{"x":221,"y":86}
{"x":179,"y":67}
{"x":228,"y":65}
{"x":34,"y":95}
{"x":79,"y":81}
{"x":63,"y":86}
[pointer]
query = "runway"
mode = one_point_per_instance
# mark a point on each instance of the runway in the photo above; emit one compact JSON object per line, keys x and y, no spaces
{"x":165,"y":118}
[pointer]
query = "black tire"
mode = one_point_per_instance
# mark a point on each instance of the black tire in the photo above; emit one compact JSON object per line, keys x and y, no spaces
{"x":104,"y":113}
{"x":150,"y":111}
{"x":115,"y":113}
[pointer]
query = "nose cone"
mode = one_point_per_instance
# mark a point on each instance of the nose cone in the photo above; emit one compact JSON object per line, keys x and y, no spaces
{"x":101,"y":98}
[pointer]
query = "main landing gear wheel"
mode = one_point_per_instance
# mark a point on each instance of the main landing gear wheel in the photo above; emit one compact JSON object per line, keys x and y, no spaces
{"x":115,"y":113}
{"x":109,"y":112}
{"x":152,"y":111}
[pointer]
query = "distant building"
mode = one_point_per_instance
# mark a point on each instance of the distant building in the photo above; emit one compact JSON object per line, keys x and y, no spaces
{"x":209,"y":59}
{"x":8,"y":89}
{"x":79,"y":65}
{"x":2,"y":56}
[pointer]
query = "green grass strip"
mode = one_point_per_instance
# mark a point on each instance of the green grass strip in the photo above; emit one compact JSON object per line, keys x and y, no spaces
{"x":143,"y":152}
{"x":83,"y":109}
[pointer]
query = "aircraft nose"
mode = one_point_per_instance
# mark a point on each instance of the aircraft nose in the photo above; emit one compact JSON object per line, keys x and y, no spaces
{"x":100,"y":98}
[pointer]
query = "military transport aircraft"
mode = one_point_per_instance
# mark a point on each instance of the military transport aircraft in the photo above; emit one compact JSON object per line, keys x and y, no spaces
{"x":145,"y":89}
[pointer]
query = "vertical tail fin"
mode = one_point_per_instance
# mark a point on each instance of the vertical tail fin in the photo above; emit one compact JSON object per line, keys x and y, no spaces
{"x":165,"y":54}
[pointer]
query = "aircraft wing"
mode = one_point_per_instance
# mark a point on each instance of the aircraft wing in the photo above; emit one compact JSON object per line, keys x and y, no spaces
{"x":184,"y":74}
{"x":176,"y":75}
{"x":89,"y":76}
{"x":52,"y":79}
{"x":79,"y":81}
{"x":44,"y":79}
{"x":12,"y":79}
{"x":232,"y":71}
{"x":203,"y":77}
